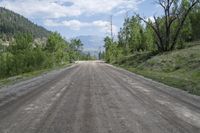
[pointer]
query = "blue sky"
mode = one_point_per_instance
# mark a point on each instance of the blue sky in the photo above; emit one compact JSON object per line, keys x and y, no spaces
{"x":73,"y":18}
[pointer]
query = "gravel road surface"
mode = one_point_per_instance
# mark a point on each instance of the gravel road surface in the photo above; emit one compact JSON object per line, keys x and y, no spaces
{"x":94,"y":97}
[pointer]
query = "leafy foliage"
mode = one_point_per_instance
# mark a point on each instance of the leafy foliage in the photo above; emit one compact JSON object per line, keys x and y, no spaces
{"x":25,"y":55}
{"x":194,"y":20}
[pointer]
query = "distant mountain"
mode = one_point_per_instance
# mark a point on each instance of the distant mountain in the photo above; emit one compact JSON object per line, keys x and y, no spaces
{"x":92,"y":44}
{"x":12,"y":23}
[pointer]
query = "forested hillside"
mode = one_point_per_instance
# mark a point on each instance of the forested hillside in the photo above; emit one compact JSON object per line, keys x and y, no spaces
{"x":21,"y":51}
{"x":12,"y":24}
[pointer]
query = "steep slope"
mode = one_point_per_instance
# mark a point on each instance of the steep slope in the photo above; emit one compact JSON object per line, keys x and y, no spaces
{"x":12,"y":23}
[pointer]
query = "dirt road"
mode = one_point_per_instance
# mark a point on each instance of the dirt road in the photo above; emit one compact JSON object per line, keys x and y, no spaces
{"x":93,"y":97}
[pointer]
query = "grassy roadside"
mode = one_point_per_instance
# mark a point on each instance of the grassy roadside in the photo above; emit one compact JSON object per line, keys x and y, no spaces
{"x":29,"y":75}
{"x":180,"y":68}
{"x":181,"y":79}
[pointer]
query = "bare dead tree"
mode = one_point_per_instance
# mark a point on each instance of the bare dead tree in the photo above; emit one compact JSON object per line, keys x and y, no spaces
{"x":175,"y":11}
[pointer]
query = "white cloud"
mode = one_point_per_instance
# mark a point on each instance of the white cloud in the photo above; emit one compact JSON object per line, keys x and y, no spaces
{"x":74,"y":24}
{"x":65,"y":8}
{"x":71,"y":24}
{"x":51,"y":23}
{"x":151,"y":18}
{"x":40,"y":8}
{"x":103,"y":26}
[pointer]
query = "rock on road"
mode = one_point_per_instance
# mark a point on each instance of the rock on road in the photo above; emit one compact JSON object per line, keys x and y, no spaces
{"x":93,"y":97}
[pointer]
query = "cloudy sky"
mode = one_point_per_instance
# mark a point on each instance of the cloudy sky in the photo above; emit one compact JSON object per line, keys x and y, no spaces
{"x":73,"y":18}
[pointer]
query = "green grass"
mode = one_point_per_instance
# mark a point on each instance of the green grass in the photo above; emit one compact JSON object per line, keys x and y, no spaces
{"x":29,"y":75}
{"x":179,"y":68}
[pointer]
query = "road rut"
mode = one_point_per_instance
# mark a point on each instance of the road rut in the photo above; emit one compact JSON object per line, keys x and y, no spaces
{"x":94,"y":97}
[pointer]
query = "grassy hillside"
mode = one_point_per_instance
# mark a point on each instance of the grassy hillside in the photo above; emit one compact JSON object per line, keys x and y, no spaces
{"x":180,"y":68}
{"x":12,"y":23}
